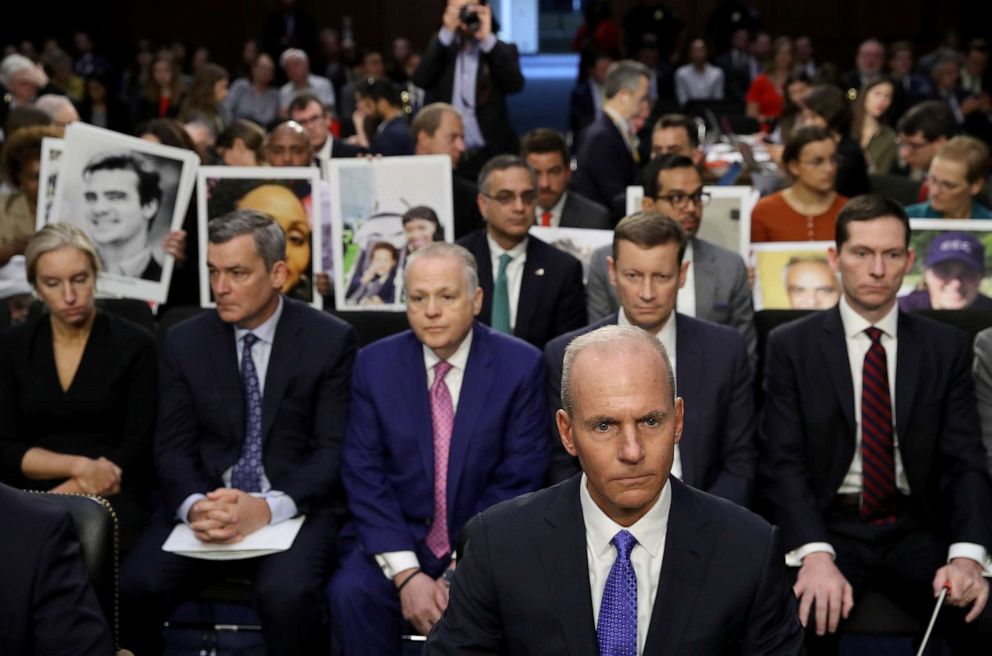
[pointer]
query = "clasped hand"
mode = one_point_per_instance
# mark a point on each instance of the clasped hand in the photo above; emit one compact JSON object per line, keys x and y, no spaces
{"x":227,"y":515}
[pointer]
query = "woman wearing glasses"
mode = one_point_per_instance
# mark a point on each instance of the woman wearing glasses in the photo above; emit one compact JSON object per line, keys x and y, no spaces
{"x":807,"y":209}
{"x":957,"y":174}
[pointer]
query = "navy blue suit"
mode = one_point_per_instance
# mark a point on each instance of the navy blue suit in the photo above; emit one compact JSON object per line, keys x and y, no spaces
{"x":605,"y":166}
{"x":552,"y":296}
{"x":393,"y":138}
{"x":713,"y":377}
{"x":499,"y":449}
{"x":47,"y":605}
{"x":200,"y":435}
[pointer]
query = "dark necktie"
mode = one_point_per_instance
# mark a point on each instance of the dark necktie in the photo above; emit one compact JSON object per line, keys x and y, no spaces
{"x":247,"y":473}
{"x":617,"y":628}
{"x":877,"y":454}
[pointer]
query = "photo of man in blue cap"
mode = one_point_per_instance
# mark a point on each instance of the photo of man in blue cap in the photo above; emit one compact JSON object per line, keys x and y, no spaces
{"x":953,"y":271}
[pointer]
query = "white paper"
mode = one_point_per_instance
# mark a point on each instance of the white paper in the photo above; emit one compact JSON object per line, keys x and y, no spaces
{"x":266,"y":540}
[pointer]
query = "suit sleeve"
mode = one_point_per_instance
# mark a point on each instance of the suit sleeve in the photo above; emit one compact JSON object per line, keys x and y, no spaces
{"x":65,"y":612}
{"x":471,"y":623}
{"x":773,"y":627}
{"x":133,"y":453}
{"x":742,"y":311}
{"x":571,"y":312}
{"x":983,"y":389}
{"x":599,"y":301}
{"x":525,"y":442}
{"x":739,"y":455}
{"x":428,"y":74}
{"x":12,"y":449}
{"x":504,"y":67}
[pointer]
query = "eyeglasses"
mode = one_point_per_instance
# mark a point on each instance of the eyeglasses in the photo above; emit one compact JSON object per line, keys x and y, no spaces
{"x":943,"y":185}
{"x":911,"y":146}
{"x":313,"y":119}
{"x":679,"y":199}
{"x":817,"y":162}
{"x":507,"y":197}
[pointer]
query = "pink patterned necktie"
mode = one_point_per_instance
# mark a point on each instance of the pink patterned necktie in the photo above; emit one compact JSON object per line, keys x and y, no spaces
{"x":443,"y":420}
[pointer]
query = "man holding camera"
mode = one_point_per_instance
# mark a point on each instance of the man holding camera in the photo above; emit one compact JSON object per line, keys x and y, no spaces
{"x":467,"y":66}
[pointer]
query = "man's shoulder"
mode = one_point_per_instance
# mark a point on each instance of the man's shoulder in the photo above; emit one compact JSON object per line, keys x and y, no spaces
{"x":507,"y":349}
{"x":733,"y":519}
{"x":708,"y":250}
{"x":548,"y":254}
{"x":502,"y":518}
{"x":556,"y":347}
{"x":576,"y":202}
{"x":474,"y":241}
{"x":707,"y":331}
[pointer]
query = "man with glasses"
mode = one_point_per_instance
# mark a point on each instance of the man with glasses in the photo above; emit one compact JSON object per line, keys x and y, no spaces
{"x":307,"y":110}
{"x":530,"y":289}
{"x":922,"y":131}
{"x":716,"y":287}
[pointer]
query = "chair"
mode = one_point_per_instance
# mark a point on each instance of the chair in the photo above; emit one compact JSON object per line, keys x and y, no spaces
{"x":172,"y":316}
{"x":372,"y":326}
{"x":132,"y":309}
{"x":896,"y":187}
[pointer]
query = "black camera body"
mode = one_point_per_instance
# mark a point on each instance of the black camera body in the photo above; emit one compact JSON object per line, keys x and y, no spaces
{"x":470,"y":18}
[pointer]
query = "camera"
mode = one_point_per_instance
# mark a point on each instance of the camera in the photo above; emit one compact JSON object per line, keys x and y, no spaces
{"x":470,"y":18}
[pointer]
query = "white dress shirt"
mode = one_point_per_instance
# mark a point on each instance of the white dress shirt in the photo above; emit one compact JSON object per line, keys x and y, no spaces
{"x":646,"y":557}
{"x":465,"y":80}
{"x":394,"y":562}
{"x":281,"y":505}
{"x":693,"y":84}
{"x":514,"y":272}
{"x":555,"y":211}
{"x":685,"y":302}
{"x":858,"y":344}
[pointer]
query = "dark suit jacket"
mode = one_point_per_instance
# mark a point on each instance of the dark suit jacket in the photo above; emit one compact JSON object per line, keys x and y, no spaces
{"x":465,"y":197}
{"x":605,"y":166}
{"x":808,"y":429}
{"x":552,"y":297}
{"x":737,"y":79}
{"x":499,"y":76}
{"x":581,"y":110}
{"x":522,"y":583}
{"x":47,"y":605}
{"x":304,"y":406}
{"x":580,"y":212}
{"x":713,"y":376}
{"x":393,"y":139}
{"x":498,"y":445}
{"x":341,"y":148}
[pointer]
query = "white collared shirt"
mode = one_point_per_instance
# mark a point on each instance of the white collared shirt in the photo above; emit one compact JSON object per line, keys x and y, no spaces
{"x":555,"y":211}
{"x":646,"y":557}
{"x":514,"y":272}
{"x":692,"y":84}
{"x":393,"y":562}
{"x":858,"y":343}
{"x":685,"y":302}
{"x":323,"y":155}
{"x":666,"y":335}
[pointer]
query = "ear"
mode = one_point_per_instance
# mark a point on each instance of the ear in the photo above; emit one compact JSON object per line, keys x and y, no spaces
{"x":483,"y":203}
{"x":976,"y":187}
{"x":565,"y":430}
{"x":477,"y":301}
{"x":679,"y":418}
{"x":150,"y":209}
{"x":911,"y":257}
{"x":833,"y":258}
{"x":683,"y":272}
{"x":611,"y":267}
{"x":279,"y":274}
{"x":647,"y":204}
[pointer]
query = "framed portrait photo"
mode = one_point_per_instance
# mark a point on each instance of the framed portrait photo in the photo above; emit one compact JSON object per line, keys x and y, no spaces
{"x":48,"y":172}
{"x":794,"y":276}
{"x":951,"y":268}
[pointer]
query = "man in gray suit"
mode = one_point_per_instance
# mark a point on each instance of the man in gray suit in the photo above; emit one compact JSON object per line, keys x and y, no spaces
{"x":983,"y":388}
{"x":716,"y":286}
{"x":545,"y":151}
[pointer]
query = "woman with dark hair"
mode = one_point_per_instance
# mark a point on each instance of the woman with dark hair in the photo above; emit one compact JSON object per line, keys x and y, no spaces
{"x":808,"y":208}
{"x":870,"y":127}
{"x":100,"y":107}
{"x":205,"y":102}
{"x":242,"y":144}
{"x":827,"y":107}
{"x":164,"y":89}
{"x":21,"y":166}
{"x":421,"y":226}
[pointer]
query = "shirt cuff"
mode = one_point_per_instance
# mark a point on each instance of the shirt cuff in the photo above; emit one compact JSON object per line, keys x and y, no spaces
{"x":487,"y":44}
{"x":183,"y":512}
{"x":446,"y":37}
{"x":795,"y":557}
{"x":394,"y":562}
{"x":281,"y":506}
{"x":971,"y":551}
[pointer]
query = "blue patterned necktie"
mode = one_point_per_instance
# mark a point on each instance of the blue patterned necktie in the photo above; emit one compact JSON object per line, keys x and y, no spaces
{"x":247,"y":474}
{"x":617,"y":629}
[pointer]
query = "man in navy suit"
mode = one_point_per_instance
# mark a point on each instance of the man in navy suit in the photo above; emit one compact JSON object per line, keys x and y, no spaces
{"x":47,"y":605}
{"x":718,"y":453}
{"x":380,"y":99}
{"x":307,"y":110}
{"x":608,"y":159}
{"x":530,"y":288}
{"x":873,"y":459}
{"x":447,"y":419}
{"x":253,"y":402}
{"x":623,"y":558}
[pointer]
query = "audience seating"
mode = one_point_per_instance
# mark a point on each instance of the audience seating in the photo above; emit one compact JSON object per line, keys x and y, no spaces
{"x":372,"y":326}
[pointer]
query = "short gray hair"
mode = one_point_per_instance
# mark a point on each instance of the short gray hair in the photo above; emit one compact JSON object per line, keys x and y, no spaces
{"x":439,"y":249}
{"x":53,"y":104}
{"x":617,"y":336}
{"x":11,"y":64}
{"x":292,"y":53}
{"x":622,"y":75}
{"x":270,"y":238}
{"x":503,"y":163}
{"x":53,"y":237}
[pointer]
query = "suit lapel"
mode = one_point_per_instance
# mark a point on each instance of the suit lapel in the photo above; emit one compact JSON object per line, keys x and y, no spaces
{"x":413,"y":376}
{"x":484,"y":261}
{"x":704,"y":279}
{"x":471,"y":403}
{"x":688,"y":544}
{"x":282,"y":358}
{"x":833,"y":350}
{"x":907,"y":373}
{"x":224,"y":359}
{"x":687,"y":382}
{"x":531,"y":285}
{"x":562,"y":550}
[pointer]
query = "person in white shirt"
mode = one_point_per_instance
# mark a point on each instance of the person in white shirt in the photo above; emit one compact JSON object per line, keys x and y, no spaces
{"x":296,"y":64}
{"x":698,"y":80}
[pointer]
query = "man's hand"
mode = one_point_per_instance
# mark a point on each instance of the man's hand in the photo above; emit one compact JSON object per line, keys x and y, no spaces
{"x":450,"y":18}
{"x":175,"y":244}
{"x":227,"y":515}
{"x":821,"y":582}
{"x":485,"y":13}
{"x":99,"y":476}
{"x":441,"y":589}
{"x":418,"y":599}
{"x":966,"y":586}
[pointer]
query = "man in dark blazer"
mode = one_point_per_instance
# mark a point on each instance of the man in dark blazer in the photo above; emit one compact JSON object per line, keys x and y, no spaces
{"x":874,"y":463}
{"x":307,"y":110}
{"x":716,"y":288}
{"x":241,"y":448}
{"x":47,"y":605}
{"x":718,"y":454}
{"x":623,"y":558}
{"x":415,"y":471}
{"x":380,"y":99}
{"x":546,"y":152}
{"x":530,"y":288}
{"x":480,"y":101}
{"x":608,"y":159}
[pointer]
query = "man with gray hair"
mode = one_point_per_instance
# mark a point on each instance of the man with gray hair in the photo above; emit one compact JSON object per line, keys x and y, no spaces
{"x":253,"y":402}
{"x":622,"y":558}
{"x":608,"y":159}
{"x":296,"y":64}
{"x":448,"y":418}
{"x":59,"y":108}
{"x":21,"y":80}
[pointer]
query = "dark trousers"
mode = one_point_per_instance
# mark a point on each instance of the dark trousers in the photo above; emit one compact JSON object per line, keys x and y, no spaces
{"x":287,"y":593}
{"x":366,"y":616}
{"x":900,"y":560}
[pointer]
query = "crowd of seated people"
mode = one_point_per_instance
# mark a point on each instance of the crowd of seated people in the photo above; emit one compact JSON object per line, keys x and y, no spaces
{"x":264,"y":409}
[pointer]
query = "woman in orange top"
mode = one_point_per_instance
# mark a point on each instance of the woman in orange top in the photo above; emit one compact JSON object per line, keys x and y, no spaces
{"x":806,"y":210}
{"x":766,"y":95}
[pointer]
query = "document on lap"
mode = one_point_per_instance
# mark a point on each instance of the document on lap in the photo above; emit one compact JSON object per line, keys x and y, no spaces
{"x":269,"y":539}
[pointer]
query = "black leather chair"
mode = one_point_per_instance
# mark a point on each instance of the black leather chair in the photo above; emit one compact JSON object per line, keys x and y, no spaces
{"x":372,"y":326}
{"x":897,"y":187}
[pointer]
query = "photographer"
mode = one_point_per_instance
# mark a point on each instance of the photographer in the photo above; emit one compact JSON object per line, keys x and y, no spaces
{"x":467,"y":66}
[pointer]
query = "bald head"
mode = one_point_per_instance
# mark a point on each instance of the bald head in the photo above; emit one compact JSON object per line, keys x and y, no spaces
{"x":59,"y":108}
{"x":288,"y":144}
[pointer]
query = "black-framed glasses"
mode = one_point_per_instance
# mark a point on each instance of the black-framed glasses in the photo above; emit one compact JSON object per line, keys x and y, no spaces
{"x":507,"y":197}
{"x":910,"y":145}
{"x":679,"y":199}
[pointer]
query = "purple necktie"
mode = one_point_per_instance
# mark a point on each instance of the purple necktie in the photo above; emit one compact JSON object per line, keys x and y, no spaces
{"x":443,"y":420}
{"x":877,"y":455}
{"x":247,"y":473}
{"x":617,"y":629}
